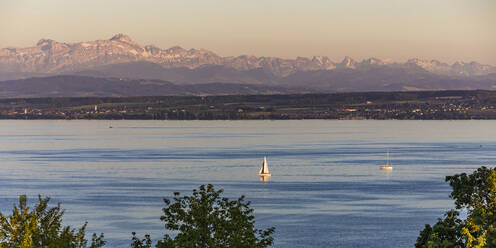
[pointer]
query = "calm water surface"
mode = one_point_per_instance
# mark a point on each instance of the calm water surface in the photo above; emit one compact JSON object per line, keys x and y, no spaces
{"x":326,"y":189}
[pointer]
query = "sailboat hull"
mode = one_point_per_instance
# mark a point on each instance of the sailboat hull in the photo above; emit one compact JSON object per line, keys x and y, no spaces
{"x":385,"y":167}
{"x":264,"y":178}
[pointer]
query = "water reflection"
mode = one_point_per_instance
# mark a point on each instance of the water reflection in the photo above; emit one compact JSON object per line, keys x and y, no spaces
{"x":264,"y":178}
{"x":387,"y":174}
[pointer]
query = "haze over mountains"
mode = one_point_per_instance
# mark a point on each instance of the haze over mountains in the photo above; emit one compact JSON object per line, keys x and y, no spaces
{"x":120,"y":57}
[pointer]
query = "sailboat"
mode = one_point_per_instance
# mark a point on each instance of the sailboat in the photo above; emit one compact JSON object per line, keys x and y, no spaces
{"x":264,"y":169}
{"x":387,"y":166}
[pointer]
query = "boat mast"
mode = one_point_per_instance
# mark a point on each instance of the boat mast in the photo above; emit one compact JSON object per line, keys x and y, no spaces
{"x":388,"y":159}
{"x":265,"y":166}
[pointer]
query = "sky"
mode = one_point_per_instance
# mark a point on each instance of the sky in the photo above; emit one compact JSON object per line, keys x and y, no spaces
{"x":446,"y":30}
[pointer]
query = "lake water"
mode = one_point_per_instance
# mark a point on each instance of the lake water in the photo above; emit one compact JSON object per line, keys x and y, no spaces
{"x":326,"y":188}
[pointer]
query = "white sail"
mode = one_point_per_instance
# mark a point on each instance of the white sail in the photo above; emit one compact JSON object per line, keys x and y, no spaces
{"x":264,"y":169}
{"x":265,"y":166}
{"x":387,"y":166}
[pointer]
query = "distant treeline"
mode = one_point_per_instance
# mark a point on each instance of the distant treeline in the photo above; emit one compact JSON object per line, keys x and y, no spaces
{"x":369,"y":105}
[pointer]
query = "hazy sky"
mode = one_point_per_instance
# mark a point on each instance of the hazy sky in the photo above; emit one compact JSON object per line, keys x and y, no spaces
{"x":448,"y":30}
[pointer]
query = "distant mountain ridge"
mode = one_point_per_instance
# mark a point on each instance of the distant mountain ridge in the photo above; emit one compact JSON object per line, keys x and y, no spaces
{"x":52,"y":57}
{"x":121,"y":58}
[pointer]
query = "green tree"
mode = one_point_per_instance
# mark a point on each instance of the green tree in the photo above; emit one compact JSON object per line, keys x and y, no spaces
{"x":207,"y":220}
{"x":41,"y":227}
{"x":141,"y":243}
{"x":476,"y":194}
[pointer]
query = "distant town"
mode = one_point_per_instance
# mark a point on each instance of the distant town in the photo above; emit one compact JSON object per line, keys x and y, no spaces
{"x":421,"y":105}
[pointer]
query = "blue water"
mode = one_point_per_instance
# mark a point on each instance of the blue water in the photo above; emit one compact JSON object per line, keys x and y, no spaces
{"x":326,"y":188}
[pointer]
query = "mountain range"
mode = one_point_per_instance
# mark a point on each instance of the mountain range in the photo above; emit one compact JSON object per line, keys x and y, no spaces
{"x":122,"y":58}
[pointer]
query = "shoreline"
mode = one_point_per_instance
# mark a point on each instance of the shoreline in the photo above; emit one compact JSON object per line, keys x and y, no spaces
{"x":419,"y":105}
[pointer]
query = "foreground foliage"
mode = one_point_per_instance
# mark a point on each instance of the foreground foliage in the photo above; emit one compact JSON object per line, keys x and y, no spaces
{"x":476,"y":194}
{"x":205,"y":219}
{"x":41,"y":227}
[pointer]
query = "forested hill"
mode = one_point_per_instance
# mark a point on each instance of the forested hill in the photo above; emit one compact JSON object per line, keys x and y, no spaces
{"x":83,"y":86}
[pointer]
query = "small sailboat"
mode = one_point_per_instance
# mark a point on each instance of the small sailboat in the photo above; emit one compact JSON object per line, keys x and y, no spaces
{"x":264,"y":169}
{"x":387,"y":166}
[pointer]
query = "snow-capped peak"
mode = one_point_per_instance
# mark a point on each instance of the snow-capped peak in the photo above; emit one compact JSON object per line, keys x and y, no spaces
{"x":122,"y":38}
